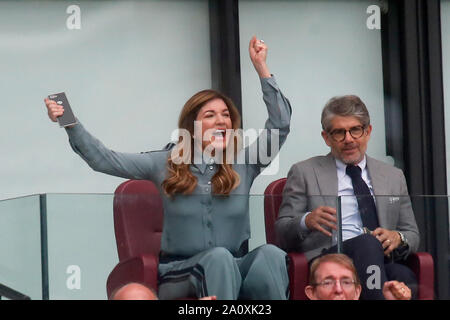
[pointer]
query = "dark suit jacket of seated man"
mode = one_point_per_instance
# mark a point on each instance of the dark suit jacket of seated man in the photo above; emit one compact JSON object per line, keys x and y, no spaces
{"x":306,"y":220}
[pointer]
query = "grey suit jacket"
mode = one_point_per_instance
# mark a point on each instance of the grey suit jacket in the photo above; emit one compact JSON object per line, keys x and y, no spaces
{"x":313,"y":183}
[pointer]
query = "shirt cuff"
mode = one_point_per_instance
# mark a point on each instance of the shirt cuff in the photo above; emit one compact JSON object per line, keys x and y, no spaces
{"x":269,"y":84}
{"x":303,"y":226}
{"x":75,"y":131}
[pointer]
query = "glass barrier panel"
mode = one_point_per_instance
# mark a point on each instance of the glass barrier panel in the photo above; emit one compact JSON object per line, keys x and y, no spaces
{"x":80,"y":251}
{"x":20,"y":246}
{"x":81,"y":245}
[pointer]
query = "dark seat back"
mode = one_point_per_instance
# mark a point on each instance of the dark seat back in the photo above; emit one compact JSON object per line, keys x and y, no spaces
{"x":138,"y":218}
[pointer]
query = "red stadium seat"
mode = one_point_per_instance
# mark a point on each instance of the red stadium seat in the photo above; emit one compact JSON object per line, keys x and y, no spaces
{"x":138,"y":221}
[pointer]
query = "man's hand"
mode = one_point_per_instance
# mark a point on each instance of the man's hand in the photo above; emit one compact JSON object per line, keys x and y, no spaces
{"x":394,"y":290}
{"x":258,"y":54}
{"x":320,"y":217}
{"x":390,"y":240}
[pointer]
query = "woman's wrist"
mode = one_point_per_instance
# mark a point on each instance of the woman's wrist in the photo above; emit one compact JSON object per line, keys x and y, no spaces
{"x":262,"y":70}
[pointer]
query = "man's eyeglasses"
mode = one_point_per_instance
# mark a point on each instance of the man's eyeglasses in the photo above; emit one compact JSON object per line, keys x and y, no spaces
{"x":338,"y":135}
{"x":328,"y":284}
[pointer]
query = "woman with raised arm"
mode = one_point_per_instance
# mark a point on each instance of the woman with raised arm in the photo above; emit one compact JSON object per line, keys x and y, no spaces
{"x":206,"y":202}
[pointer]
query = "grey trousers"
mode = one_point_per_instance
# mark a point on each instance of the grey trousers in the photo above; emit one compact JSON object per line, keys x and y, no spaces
{"x":259,"y":275}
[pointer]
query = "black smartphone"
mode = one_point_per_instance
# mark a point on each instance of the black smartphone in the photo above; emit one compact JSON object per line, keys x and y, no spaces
{"x":68,"y":118}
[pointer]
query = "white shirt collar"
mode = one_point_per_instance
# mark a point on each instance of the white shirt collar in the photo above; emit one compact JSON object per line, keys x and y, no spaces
{"x":342,"y":166}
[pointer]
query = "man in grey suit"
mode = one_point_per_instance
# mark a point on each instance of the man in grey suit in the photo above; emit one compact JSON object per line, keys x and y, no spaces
{"x":378,"y":224}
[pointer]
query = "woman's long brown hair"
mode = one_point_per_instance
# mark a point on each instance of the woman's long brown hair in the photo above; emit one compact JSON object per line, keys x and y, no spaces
{"x":179,"y":176}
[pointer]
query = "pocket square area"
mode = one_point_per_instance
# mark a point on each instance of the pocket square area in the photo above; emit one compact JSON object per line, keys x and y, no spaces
{"x":393,"y":199}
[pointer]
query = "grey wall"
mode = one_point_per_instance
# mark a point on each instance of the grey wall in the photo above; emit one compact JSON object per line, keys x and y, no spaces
{"x":445,"y":33}
{"x":127,"y":73}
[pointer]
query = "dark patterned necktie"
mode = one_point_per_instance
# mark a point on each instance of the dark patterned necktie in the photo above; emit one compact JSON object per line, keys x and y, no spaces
{"x":366,"y":204}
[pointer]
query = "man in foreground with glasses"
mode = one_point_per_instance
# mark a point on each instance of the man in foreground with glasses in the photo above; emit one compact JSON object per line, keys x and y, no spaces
{"x":334,"y":277}
{"x":377,"y":231}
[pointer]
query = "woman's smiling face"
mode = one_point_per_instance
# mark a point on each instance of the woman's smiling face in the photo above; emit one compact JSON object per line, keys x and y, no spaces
{"x":215,"y":121}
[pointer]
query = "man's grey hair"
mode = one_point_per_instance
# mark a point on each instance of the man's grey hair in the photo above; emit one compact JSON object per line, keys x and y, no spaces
{"x":344,"y":106}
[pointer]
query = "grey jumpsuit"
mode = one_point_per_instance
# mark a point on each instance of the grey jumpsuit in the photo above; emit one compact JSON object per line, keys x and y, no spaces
{"x":203,"y":232}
